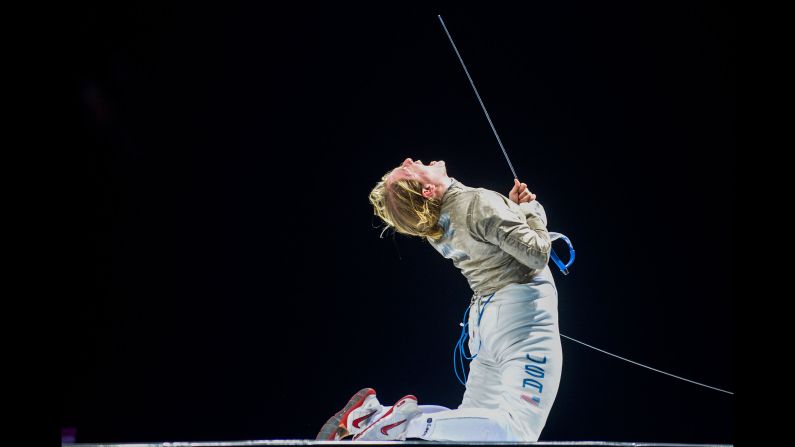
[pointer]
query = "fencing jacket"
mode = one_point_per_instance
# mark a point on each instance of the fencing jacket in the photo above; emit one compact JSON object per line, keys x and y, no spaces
{"x":492,"y":240}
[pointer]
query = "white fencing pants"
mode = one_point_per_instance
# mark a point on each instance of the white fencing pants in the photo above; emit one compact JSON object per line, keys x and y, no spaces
{"x":514,"y":379}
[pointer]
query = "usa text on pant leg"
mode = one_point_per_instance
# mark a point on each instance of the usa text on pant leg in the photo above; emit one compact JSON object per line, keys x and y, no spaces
{"x":527,"y":348}
{"x":519,"y":338}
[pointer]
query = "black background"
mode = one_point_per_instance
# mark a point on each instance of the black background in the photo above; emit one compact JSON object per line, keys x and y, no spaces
{"x":226,"y":276}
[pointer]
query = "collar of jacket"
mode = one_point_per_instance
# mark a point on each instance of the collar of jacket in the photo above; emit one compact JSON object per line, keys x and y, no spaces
{"x":453,"y":189}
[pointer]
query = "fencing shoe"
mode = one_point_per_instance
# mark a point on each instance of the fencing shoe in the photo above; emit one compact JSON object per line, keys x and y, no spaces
{"x":361,"y":410}
{"x":391,"y":426}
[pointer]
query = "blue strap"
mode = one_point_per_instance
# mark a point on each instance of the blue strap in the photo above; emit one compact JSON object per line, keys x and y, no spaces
{"x":564,"y":268}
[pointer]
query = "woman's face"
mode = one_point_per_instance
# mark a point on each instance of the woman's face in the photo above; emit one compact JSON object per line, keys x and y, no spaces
{"x":434,"y":173}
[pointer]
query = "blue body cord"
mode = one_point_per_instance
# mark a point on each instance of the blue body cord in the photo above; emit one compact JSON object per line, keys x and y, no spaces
{"x":458,"y":352}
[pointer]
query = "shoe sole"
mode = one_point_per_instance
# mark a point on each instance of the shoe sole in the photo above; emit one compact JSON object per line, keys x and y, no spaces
{"x":334,"y":429}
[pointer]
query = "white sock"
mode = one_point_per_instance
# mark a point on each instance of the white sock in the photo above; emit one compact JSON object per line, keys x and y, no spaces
{"x":416,"y":425}
{"x":420,"y":424}
{"x":471,"y":424}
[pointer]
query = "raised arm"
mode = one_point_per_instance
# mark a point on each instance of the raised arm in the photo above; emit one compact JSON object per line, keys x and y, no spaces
{"x":494,"y":219}
{"x":527,"y":202}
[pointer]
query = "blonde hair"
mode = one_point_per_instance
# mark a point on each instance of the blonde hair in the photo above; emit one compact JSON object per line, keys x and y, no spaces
{"x":401,"y":206}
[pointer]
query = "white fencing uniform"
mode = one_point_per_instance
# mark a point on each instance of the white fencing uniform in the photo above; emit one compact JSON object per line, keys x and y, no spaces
{"x":502,"y":249}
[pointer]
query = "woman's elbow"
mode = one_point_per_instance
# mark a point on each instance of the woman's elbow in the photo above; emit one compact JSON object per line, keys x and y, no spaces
{"x":538,"y":259}
{"x":545,"y":259}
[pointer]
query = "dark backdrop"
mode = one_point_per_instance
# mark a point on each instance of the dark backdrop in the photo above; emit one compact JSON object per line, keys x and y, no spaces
{"x":226,"y":276}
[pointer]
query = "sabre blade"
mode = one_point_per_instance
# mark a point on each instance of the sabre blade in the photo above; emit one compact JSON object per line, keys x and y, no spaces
{"x":504,"y":152}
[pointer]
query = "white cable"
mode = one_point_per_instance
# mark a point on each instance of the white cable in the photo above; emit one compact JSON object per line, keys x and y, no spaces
{"x":648,"y":367}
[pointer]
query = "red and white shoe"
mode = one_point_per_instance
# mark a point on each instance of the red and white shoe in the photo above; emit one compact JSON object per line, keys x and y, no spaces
{"x":360,"y":411}
{"x":392,"y":425}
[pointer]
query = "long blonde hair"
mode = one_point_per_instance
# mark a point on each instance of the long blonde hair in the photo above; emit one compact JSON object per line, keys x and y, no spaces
{"x":401,"y":206}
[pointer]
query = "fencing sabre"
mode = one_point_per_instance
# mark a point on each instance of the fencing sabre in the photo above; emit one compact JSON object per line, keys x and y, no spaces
{"x":564,"y":268}
{"x":459,"y":349}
